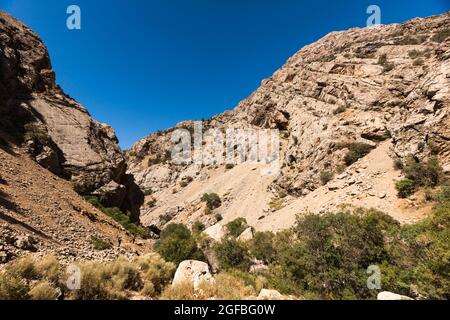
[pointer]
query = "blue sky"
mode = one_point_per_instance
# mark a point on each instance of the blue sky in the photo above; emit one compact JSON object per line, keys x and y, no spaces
{"x":144,"y":65}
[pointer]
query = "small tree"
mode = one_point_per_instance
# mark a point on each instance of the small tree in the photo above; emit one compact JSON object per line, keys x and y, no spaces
{"x":405,"y":188}
{"x":236,"y":227}
{"x":212,"y":200}
{"x":232,"y":254}
{"x":176,"y":245}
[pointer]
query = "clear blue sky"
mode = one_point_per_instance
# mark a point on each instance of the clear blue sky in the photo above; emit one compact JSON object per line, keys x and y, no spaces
{"x":144,"y":65}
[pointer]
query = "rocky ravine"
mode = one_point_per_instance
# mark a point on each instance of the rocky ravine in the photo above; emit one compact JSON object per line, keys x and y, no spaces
{"x":54,"y":129}
{"x":387,"y":87}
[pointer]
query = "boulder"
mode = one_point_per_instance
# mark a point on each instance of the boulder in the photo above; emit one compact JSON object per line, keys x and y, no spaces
{"x":266,"y":294}
{"x":386,"y":295}
{"x":217,"y":232}
{"x":247,"y":235}
{"x":195,"y":272}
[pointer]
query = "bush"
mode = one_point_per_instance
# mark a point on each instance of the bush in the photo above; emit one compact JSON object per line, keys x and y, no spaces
{"x":157,"y":273}
{"x":236,"y":227}
{"x":100,"y":244}
{"x":356,"y":152}
{"x":325,"y":177}
{"x":262,"y":247}
{"x":232,"y":254}
{"x":218,"y":217}
{"x":179,"y":292}
{"x":198,"y":227}
{"x":383,"y":61}
{"x":443,"y":196}
{"x":228,"y":287}
{"x":120,"y":217}
{"x":405,"y":188}
{"x":176,"y":245}
{"x":12,"y":287}
{"x":229,"y":166}
{"x":398,"y":164}
{"x":43,"y":291}
{"x":212,"y":200}
{"x":429,"y":174}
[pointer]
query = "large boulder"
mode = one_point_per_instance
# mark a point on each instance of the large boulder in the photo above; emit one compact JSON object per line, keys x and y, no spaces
{"x":216,"y":232}
{"x":194,"y":272}
{"x":386,"y":295}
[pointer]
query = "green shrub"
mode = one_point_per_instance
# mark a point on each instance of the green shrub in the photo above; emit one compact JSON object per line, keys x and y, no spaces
{"x":176,"y":244}
{"x":325,"y":177}
{"x":236,"y":227}
{"x":262,"y":247}
{"x":100,"y":244}
{"x":121,"y":218}
{"x":428,"y":174}
{"x":443,"y":196}
{"x":356,"y":152}
{"x":232,"y":254}
{"x":198,"y":227}
{"x":229,"y":166}
{"x":212,"y":200}
{"x":398,"y":164}
{"x":405,"y":188}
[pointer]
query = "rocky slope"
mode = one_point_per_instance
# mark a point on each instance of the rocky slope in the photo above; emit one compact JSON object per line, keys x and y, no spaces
{"x":387,"y":87}
{"x":54,"y":129}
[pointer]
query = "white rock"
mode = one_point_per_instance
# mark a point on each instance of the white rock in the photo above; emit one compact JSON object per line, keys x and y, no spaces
{"x":195,"y":272}
{"x":266,"y":294}
{"x":386,"y":295}
{"x":217,"y":232}
{"x":247,"y":235}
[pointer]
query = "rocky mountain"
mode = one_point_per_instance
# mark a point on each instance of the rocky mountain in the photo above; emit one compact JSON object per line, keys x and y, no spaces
{"x":54,"y":129}
{"x":378,"y":93}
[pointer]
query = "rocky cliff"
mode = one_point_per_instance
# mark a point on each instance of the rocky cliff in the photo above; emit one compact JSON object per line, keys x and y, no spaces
{"x":52,"y":128}
{"x":383,"y":89}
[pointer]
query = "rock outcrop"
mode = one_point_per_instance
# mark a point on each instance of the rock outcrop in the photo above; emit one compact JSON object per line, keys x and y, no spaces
{"x":53,"y":128}
{"x":193,"y":272}
{"x":370,"y":87}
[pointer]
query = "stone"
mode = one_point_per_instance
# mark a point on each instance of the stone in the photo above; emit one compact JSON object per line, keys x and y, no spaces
{"x":266,"y":294}
{"x":247,"y":235}
{"x":386,"y":295}
{"x":194,"y":272}
{"x":216,"y":232}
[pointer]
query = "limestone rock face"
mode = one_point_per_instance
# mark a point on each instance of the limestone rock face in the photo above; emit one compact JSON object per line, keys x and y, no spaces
{"x":195,"y":272}
{"x":368,"y":86}
{"x":54,"y":129}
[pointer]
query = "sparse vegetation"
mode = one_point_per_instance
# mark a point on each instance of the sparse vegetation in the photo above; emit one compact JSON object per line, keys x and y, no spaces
{"x":356,"y":152}
{"x":212,"y":200}
{"x":100,"y":244}
{"x":441,"y":36}
{"x":405,"y":188}
{"x":236,"y":227}
{"x":384,"y":62}
{"x":121,"y":218}
{"x":325,"y":177}
{"x":198,"y":227}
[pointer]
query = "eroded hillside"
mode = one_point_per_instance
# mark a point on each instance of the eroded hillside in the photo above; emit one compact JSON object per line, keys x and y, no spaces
{"x":385,"y":90}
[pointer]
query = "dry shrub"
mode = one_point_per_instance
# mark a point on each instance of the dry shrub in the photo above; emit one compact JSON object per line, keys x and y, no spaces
{"x":43,"y":290}
{"x":157,"y":273}
{"x":227,"y":287}
{"x":180,"y":291}
{"x":48,"y":268}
